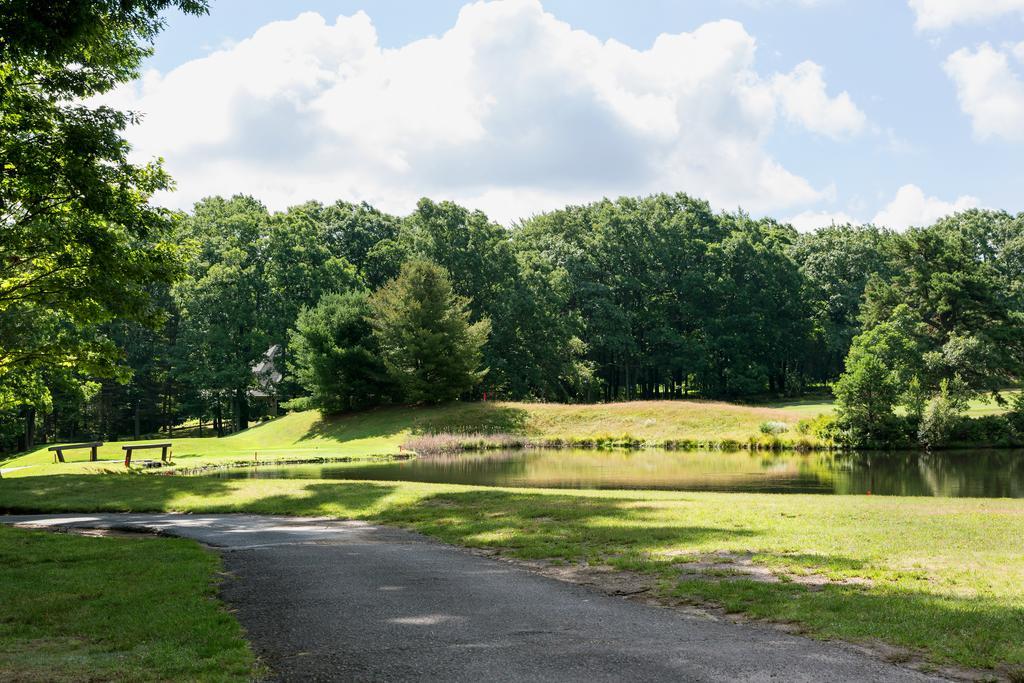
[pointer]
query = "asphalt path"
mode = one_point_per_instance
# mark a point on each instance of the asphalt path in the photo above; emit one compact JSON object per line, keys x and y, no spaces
{"x":328,"y":600}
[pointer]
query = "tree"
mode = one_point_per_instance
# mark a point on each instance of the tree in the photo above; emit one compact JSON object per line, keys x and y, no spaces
{"x":335,"y":356}
{"x":251,"y":275}
{"x":300,"y":267}
{"x":968,"y":323}
{"x":945,"y":327}
{"x":79,"y":243}
{"x":882,"y":366}
{"x":429,"y":347}
{"x":836,"y":263}
{"x":481,"y":266}
{"x":673,"y":297}
{"x":996,"y":238}
{"x":224,"y":300}
{"x":941,"y":415}
{"x":633,"y":276}
{"x":755,"y":323}
{"x":550,"y":357}
{"x":365,"y":237}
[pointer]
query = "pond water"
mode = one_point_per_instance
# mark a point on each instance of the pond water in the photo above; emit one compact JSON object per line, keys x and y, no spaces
{"x":983,"y":473}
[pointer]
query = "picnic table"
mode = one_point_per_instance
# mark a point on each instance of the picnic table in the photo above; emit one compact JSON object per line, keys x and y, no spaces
{"x":141,"y":446}
{"x":58,"y":451}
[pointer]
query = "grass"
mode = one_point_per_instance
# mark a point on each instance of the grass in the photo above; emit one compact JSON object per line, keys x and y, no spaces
{"x":817,"y":406}
{"x":295,"y":436}
{"x":382,"y":431}
{"x":130,"y":609}
{"x":943,"y":576}
{"x":309,"y":435}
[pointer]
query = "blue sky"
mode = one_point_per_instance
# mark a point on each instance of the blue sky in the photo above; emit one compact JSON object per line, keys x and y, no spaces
{"x":812,"y":110}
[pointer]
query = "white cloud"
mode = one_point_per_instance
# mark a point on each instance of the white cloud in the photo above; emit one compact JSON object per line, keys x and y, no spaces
{"x":510,"y":111}
{"x":941,"y":14}
{"x":808,"y":221}
{"x":989,"y":90}
{"x":910,"y":207}
{"x":804,"y":100}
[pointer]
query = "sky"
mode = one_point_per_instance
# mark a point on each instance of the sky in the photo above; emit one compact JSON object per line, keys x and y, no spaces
{"x":811,"y":111}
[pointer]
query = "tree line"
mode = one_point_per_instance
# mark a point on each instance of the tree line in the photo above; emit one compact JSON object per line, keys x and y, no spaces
{"x":638,"y":298}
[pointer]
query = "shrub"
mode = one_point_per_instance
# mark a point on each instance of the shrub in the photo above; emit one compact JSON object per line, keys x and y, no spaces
{"x":938,"y":423}
{"x":941,"y":417}
{"x":824,"y":427}
{"x":988,"y":430}
{"x":1015,"y":418}
{"x":773,"y":427}
{"x":438,"y":444}
{"x":890,"y":432}
{"x":803,"y":445}
{"x":680,"y":444}
{"x":335,"y":358}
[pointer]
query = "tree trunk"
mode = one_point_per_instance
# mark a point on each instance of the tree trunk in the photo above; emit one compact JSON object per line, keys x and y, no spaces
{"x":138,"y":422}
{"x":241,"y":410}
{"x":30,"y":427}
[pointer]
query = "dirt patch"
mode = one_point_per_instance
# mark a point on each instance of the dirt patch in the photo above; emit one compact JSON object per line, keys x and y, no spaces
{"x":122,"y":533}
{"x":605,"y":579}
{"x":104,"y":532}
{"x":741,"y":566}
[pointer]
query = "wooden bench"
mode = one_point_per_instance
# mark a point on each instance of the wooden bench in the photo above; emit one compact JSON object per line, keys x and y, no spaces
{"x":59,"y":450}
{"x":138,"y":447}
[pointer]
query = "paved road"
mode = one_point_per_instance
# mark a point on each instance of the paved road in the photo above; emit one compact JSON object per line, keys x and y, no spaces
{"x":346,"y":601}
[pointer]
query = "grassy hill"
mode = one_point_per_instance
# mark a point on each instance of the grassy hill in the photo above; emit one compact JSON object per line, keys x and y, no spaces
{"x":381,"y":431}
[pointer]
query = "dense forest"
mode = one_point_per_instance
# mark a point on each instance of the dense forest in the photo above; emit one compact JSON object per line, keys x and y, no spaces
{"x":639,"y":298}
{"x":119,"y":317}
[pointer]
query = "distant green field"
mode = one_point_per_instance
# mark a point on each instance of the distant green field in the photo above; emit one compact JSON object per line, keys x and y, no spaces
{"x":814,"y":407}
{"x":381,"y":431}
{"x":979,"y":407}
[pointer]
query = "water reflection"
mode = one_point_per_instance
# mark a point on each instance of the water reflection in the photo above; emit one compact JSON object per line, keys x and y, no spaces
{"x":983,"y":473}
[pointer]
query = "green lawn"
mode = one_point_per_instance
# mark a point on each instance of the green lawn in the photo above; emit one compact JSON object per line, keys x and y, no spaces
{"x":298,"y":435}
{"x":802,"y":408}
{"x":74,"y":608}
{"x":944,"y":576}
{"x":381,"y":431}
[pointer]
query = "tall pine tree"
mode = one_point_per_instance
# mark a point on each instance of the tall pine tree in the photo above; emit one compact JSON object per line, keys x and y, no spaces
{"x":429,"y":347}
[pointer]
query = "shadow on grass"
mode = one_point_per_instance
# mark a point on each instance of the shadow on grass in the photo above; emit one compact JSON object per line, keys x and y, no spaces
{"x":527,"y":524}
{"x":456,"y":418}
{"x":533,"y":525}
{"x":813,"y":561}
{"x":343,"y":500}
{"x":473,"y":418}
{"x":103,"y":492}
{"x":777,"y":403}
{"x":953,"y":624}
{"x":154,"y":493}
{"x":975,"y":631}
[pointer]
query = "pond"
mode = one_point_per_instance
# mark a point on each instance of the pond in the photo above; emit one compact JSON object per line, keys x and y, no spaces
{"x":982,"y":473}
